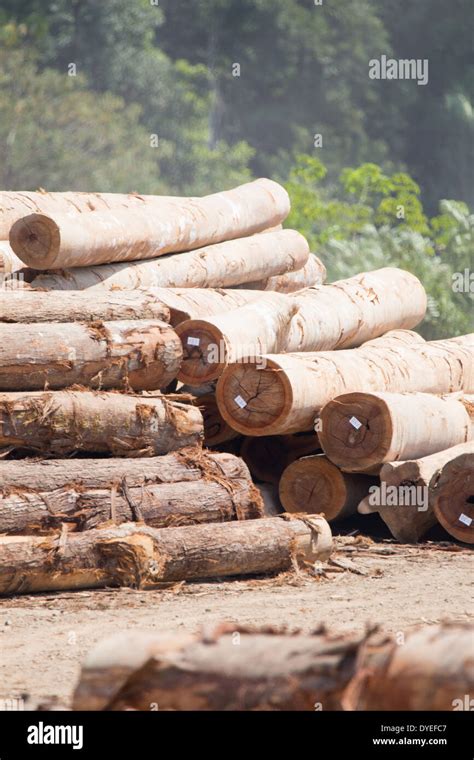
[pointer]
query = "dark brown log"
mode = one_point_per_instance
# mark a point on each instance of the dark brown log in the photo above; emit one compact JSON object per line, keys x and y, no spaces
{"x":452,"y":496}
{"x":58,"y":423}
{"x":268,"y":456}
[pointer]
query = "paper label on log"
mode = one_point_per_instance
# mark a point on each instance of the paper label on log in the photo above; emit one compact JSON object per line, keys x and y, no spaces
{"x":355,"y":423}
{"x":240,"y":401}
{"x":193,"y":341}
{"x":465,"y":519}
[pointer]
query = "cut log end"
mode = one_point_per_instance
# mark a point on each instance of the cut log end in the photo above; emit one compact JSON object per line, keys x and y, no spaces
{"x":313,"y":485}
{"x":356,"y":431}
{"x":36,"y":237}
{"x":453,"y":498}
{"x":205,"y":352}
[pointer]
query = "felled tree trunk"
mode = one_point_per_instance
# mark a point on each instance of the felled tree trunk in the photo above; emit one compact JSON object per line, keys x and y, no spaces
{"x":429,"y":670}
{"x":268,"y":456}
{"x":225,"y":668}
{"x":216,"y":429}
{"x":62,"y":422}
{"x":216,"y":266}
{"x":140,"y":556}
{"x":314,"y":485}
{"x":32,"y":306}
{"x":452,"y":496}
{"x":286,"y":395}
{"x":313,"y":273}
{"x":138,"y":355}
{"x":60,"y":240}
{"x":9,"y":262}
{"x":342,"y":315}
{"x":405,"y":497}
{"x":362,"y":430}
{"x":185,"y":488}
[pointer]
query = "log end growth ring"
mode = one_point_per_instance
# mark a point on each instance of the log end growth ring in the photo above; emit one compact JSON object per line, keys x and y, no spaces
{"x":36,"y":238}
{"x":205,"y":352}
{"x":313,"y":485}
{"x":453,"y":500}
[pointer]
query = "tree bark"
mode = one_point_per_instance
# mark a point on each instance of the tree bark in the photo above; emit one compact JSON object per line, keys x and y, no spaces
{"x":452,"y":496}
{"x":226,"y":264}
{"x":287,"y":394}
{"x":9,"y":262}
{"x":315,"y":485}
{"x":63,"y":422}
{"x":268,"y":456}
{"x":408,"y":521}
{"x":224,"y":668}
{"x":138,"y":355}
{"x":313,"y":273}
{"x":60,"y":240}
{"x":360,"y":431}
{"x":31,"y":306}
{"x":189,"y":487}
{"x":142,"y":557}
{"x":342,"y":315}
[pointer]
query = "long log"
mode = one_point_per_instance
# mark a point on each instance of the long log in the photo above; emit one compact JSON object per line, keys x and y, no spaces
{"x":405,"y":497}
{"x":313,"y":273}
{"x":138,"y":355}
{"x":142,"y":557}
{"x":360,"y":431}
{"x":452,"y":496}
{"x":189,"y":487}
{"x":284,"y":393}
{"x":78,"y":306}
{"x":223,"y":668}
{"x":63,"y":422}
{"x":61,"y":240}
{"x":343,"y":315}
{"x":315,"y":485}
{"x":221,"y":265}
{"x":268,"y":456}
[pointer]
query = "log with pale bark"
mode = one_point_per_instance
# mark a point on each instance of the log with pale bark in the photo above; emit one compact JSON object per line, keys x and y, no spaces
{"x":452,"y":495}
{"x":430,"y":669}
{"x":315,"y":485}
{"x":32,"y":306}
{"x":63,"y":422}
{"x":405,"y":497}
{"x":184,"y":488}
{"x":142,"y":557}
{"x":137,"y":355}
{"x":226,"y":667}
{"x":226,"y":264}
{"x":360,"y":431}
{"x":342,"y":315}
{"x":60,"y":240}
{"x":268,"y":456}
{"x":9,"y":262}
{"x":284,"y":393}
{"x":313,"y":273}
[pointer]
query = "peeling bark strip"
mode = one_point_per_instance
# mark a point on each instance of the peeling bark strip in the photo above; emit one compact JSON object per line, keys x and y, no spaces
{"x":342,"y":315}
{"x":408,"y":524}
{"x":226,"y":668}
{"x":452,"y":495}
{"x":268,"y":456}
{"x":141,"y":355}
{"x":313,"y":273}
{"x":62,"y":422}
{"x":215,"y":266}
{"x":287,"y":394}
{"x":314,"y":485}
{"x":31,"y":306}
{"x":176,"y":224}
{"x":360,"y":431}
{"x":189,"y":487}
{"x":140,"y":556}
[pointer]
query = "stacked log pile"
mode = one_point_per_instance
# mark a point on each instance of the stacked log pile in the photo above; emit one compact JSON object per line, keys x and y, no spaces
{"x":156,"y":354}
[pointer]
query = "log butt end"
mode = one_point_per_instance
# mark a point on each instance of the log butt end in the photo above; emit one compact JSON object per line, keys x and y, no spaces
{"x":205,"y":352}
{"x":313,"y":485}
{"x":453,"y":498}
{"x":36,"y":240}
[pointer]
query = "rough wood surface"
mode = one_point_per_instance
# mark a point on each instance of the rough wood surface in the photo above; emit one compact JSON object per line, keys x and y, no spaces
{"x":188,"y":487}
{"x":452,"y":495}
{"x":313,"y":273}
{"x":60,"y":240}
{"x":283,"y":393}
{"x":33,"y":306}
{"x":138,"y":355}
{"x":62,"y":422}
{"x":141,"y":556}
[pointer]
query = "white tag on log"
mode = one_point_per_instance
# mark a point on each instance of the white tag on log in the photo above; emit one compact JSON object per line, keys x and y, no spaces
{"x":193,"y":341}
{"x":465,"y":520}
{"x":355,"y":423}
{"x":240,"y":401}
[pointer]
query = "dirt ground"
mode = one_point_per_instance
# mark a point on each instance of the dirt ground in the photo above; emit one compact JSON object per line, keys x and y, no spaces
{"x":43,"y":638}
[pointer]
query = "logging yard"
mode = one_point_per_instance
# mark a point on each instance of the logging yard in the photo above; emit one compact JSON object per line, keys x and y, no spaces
{"x":225,"y":483}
